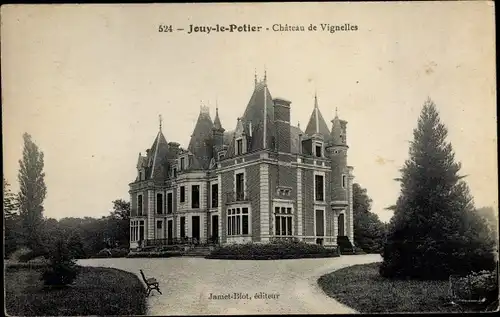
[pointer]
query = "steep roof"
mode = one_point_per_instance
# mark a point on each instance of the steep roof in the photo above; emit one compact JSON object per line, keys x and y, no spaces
{"x":317,"y":123}
{"x":217,"y":124}
{"x":201,"y":143}
{"x":260,"y":113}
{"x":294,"y":139}
{"x":158,"y":157}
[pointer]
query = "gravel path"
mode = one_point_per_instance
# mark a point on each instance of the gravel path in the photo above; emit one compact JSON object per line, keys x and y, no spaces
{"x":187,"y":284}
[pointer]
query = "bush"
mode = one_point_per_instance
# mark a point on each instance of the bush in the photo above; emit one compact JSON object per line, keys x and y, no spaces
{"x":272,"y":251}
{"x":20,"y":255}
{"x":62,"y":269}
{"x":112,"y":253}
{"x":483,"y":284}
{"x":104,"y":253}
{"x":119,"y":252}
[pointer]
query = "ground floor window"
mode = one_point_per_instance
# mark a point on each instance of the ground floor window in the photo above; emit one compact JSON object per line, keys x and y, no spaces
{"x":136,"y":230}
{"x":237,"y":221}
{"x":283,"y":221}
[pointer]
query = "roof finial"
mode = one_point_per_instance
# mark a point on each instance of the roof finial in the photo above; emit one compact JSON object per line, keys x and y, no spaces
{"x":255,"y":76}
{"x":315,"y":99}
{"x":216,"y":104}
{"x":298,"y":124}
{"x":336,"y":112}
{"x":265,"y":75}
{"x":160,"y":119}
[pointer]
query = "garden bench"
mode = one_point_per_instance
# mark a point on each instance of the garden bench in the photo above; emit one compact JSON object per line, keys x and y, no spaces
{"x":151,"y":283}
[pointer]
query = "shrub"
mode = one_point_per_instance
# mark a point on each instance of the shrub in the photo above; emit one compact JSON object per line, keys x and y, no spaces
{"x":62,"y":269}
{"x":483,"y":284}
{"x":20,"y":254}
{"x":112,"y":253}
{"x":272,"y":251}
{"x":119,"y":252}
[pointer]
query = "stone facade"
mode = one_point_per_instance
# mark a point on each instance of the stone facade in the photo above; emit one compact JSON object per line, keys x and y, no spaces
{"x":265,"y":180}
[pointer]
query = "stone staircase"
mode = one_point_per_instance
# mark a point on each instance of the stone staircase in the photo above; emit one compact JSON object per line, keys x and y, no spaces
{"x":197,"y":251}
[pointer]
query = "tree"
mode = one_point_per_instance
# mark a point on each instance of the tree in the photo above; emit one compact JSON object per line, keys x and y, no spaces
{"x":435,"y":230}
{"x":32,"y":192}
{"x":11,"y":219}
{"x":118,"y":224}
{"x":369,"y":231}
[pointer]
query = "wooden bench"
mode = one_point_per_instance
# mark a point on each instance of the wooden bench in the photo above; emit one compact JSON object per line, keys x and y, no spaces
{"x":151,"y":283}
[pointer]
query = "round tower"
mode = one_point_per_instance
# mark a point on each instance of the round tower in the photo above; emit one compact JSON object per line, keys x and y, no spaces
{"x":337,"y":152}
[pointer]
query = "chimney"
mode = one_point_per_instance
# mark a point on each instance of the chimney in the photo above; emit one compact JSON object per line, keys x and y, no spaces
{"x":282,"y":123}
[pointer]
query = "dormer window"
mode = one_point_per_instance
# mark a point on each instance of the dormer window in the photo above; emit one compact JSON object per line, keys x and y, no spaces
{"x":221,"y":155}
{"x":239,"y":146}
{"x":318,"y":150}
{"x":140,"y":175}
{"x":174,"y":172}
{"x":183,"y":163}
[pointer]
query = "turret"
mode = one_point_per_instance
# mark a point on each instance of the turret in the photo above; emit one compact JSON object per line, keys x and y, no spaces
{"x":218,"y":132}
{"x":337,"y":153}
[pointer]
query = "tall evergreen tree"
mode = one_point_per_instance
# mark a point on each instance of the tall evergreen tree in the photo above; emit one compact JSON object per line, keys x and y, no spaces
{"x":32,"y":192}
{"x":435,"y":230}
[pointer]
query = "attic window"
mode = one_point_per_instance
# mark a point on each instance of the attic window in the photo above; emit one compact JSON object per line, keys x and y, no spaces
{"x":174,"y":172}
{"x":183,"y":163}
{"x":221,"y":155}
{"x":318,"y":150}
{"x":239,"y":146}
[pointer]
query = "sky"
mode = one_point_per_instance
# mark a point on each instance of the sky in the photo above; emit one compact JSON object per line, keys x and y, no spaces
{"x":88,"y":82}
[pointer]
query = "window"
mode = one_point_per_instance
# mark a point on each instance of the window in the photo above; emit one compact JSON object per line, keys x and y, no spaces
{"x":221,"y":154}
{"x":195,"y":196}
{"x":240,"y":186}
{"x":183,"y":227}
{"x":140,"y":175}
{"x":283,"y":221}
{"x":215,"y":195}
{"x":183,"y":194}
{"x":318,"y":150}
{"x":139,"y":205}
{"x":237,"y":221}
{"x":239,"y":146}
{"x":136,"y":230}
{"x":174,"y":172}
{"x":170,"y":203}
{"x":319,"y":186}
{"x":344,"y":181}
{"x":159,"y":224}
{"x":183,"y":163}
{"x":159,"y":203}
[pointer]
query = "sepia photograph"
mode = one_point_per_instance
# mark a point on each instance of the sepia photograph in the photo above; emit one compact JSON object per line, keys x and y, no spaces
{"x":249,"y":158}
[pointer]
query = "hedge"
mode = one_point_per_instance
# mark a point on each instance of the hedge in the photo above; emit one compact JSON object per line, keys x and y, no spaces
{"x":112,"y":253}
{"x":154,"y":254}
{"x":272,"y":251}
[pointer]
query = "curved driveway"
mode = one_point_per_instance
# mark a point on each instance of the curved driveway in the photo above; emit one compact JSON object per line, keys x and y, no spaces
{"x":186,"y":284}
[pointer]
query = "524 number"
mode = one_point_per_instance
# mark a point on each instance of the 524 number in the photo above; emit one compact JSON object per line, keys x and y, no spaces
{"x":164,"y":28}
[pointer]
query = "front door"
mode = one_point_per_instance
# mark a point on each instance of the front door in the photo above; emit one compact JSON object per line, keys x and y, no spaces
{"x":196,"y":228}
{"x":215,"y":228}
{"x":170,"y":231}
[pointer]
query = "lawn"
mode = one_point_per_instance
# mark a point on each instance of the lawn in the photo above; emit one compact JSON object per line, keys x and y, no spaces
{"x":96,"y":291}
{"x":362,"y":288}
